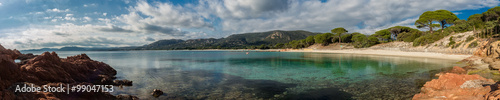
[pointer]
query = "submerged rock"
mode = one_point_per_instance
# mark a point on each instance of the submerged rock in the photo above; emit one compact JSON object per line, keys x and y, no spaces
{"x":157,"y":93}
{"x":126,"y":97}
{"x":122,"y":82}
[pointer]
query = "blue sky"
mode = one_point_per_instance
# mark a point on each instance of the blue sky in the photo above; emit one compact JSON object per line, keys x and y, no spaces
{"x":30,"y":24}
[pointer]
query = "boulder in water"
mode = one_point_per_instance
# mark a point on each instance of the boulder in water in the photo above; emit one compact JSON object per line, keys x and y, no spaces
{"x":157,"y":93}
{"x":122,"y":82}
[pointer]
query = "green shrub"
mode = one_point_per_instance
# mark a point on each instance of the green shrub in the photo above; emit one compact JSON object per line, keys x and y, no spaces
{"x":429,"y":38}
{"x":409,"y":36}
{"x":323,"y":39}
{"x":470,"y":38}
{"x":346,"y":38}
{"x":451,"y":42}
{"x":361,"y":41}
{"x":473,"y":44}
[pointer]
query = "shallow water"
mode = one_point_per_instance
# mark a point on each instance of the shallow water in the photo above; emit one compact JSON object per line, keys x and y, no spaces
{"x":268,"y":75}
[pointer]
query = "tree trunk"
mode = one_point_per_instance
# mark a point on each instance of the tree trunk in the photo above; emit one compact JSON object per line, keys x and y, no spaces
{"x":340,"y":39}
{"x":431,"y":30}
{"x":430,"y":26}
{"x":442,"y":28}
{"x":474,"y":31}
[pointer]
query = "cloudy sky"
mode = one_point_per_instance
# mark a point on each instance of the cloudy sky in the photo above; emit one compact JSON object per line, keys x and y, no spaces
{"x":31,"y":24}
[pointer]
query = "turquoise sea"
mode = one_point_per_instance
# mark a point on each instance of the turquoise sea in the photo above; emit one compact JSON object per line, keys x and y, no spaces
{"x":267,"y":75}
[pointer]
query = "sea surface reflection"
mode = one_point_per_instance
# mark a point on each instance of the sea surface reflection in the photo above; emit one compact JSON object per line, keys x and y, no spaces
{"x":268,"y":75}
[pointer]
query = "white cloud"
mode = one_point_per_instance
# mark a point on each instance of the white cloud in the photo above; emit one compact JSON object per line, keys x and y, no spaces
{"x":89,"y":5}
{"x":249,"y":8}
{"x":155,"y":21}
{"x":355,"y":15}
{"x":70,"y":18}
{"x":126,"y":1}
{"x":104,"y":20}
{"x":87,"y":19}
{"x":38,"y":13}
{"x":162,"y":18}
{"x":0,"y":4}
{"x":68,"y":34}
{"x":57,"y":10}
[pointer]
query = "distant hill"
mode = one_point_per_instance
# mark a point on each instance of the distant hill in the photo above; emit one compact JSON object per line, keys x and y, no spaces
{"x":82,"y":49}
{"x":233,"y":41}
{"x":42,"y":49}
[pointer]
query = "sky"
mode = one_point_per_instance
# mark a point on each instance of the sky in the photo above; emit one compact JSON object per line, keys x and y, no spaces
{"x":33,"y":24}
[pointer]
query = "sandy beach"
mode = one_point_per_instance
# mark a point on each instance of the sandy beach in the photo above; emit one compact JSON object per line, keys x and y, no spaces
{"x":390,"y":53}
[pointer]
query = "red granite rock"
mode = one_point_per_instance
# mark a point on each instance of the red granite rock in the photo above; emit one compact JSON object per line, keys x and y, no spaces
{"x":48,"y":68}
{"x":458,"y":70}
{"x":455,"y":86}
{"x":10,"y":72}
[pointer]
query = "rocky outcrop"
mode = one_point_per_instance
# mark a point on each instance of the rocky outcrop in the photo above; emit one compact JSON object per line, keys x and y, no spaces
{"x":50,"y":70}
{"x":122,"y":82}
{"x":490,"y":52}
{"x":25,"y":58}
{"x":456,"y":86}
{"x":458,"y":70}
{"x":10,"y":73}
{"x":157,"y":93}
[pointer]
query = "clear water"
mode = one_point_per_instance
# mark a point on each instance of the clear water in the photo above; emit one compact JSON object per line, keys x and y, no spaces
{"x":268,"y":75}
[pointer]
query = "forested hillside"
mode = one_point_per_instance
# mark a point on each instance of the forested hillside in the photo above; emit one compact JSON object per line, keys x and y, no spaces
{"x":260,"y":40}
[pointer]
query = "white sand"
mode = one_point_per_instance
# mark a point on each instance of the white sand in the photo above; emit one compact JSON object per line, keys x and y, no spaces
{"x":391,"y":53}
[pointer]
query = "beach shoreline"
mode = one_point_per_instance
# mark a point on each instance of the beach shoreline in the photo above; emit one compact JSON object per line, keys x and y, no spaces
{"x":382,"y":52}
{"x":457,"y":57}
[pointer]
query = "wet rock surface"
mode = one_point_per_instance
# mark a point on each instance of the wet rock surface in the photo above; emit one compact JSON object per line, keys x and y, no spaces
{"x":157,"y":93}
{"x":122,"y":82}
{"x":50,"y":70}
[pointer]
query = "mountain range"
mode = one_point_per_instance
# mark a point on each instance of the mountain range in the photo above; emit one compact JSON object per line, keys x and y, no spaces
{"x":235,"y":41}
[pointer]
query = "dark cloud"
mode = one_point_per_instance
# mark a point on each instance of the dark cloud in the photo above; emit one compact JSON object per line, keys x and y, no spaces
{"x":115,"y":29}
{"x":163,"y":30}
{"x":61,"y":34}
{"x":149,"y":39}
{"x":18,"y":42}
{"x":270,"y":5}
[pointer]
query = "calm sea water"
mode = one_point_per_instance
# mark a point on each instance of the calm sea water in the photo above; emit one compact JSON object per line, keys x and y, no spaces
{"x":267,"y":75}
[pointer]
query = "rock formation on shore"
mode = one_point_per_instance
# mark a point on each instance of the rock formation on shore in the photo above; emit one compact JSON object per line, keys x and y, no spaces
{"x":48,"y":69}
{"x":465,"y":84}
{"x":490,"y":52}
{"x":456,"y":86}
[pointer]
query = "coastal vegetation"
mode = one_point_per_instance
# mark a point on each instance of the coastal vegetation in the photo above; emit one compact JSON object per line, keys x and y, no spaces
{"x":484,"y":25}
